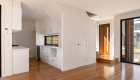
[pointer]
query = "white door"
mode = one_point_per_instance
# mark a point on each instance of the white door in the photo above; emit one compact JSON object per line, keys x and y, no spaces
{"x":81,"y":50}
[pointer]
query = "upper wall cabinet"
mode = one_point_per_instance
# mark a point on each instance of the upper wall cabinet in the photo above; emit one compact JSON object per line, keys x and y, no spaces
{"x":51,"y":29}
{"x":17,"y":19}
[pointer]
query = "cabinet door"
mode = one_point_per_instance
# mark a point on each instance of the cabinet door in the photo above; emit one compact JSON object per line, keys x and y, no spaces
{"x":59,"y":57}
{"x":53,"y":61}
{"x":45,"y":30}
{"x":55,"y":28}
{"x":17,"y":19}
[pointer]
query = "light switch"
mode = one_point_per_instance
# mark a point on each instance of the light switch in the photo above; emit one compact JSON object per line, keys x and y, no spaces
{"x":6,"y":30}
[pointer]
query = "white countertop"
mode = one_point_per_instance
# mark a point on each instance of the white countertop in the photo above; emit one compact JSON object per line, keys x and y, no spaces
{"x":19,"y":47}
{"x":56,"y":47}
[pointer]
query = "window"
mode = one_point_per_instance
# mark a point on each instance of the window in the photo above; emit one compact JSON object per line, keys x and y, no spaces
{"x":137,"y":27}
{"x":48,"y":40}
{"x":55,"y":40}
{"x":52,"y":40}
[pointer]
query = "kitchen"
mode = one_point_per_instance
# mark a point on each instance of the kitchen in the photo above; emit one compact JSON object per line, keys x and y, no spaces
{"x":34,"y":39}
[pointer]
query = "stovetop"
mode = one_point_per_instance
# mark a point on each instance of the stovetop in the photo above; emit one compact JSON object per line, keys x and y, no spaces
{"x":14,"y":45}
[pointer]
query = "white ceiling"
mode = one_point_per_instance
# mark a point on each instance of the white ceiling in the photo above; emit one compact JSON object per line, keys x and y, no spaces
{"x":103,"y":8}
{"x":33,"y":8}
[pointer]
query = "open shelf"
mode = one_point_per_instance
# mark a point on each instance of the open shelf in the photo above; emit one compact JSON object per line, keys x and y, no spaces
{"x":53,"y":52}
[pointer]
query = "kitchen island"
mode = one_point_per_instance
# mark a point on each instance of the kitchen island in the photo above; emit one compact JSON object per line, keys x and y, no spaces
{"x":20,"y":59}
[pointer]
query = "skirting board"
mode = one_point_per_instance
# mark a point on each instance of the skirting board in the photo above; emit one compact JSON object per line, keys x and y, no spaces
{"x":52,"y":64}
{"x":73,"y":67}
{"x":8,"y":74}
{"x":69,"y":68}
{"x":91,"y":63}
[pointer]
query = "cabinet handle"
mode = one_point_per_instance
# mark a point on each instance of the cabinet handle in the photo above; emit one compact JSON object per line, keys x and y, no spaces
{"x":50,"y":30}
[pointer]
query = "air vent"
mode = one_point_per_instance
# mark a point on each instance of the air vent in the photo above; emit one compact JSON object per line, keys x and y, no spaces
{"x":90,"y":14}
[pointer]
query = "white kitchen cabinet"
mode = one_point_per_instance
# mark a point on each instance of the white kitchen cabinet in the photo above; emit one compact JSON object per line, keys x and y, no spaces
{"x":17,"y":19}
{"x":52,"y":56}
{"x":44,"y":54}
{"x":51,"y":29}
{"x":59,"y":58}
{"x":20,"y":59}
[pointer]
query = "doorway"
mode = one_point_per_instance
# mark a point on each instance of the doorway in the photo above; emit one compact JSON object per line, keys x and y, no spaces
{"x":81,"y":50}
{"x":104,"y":39}
{"x":130,"y":40}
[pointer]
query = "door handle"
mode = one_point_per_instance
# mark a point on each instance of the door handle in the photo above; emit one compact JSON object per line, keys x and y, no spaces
{"x":79,"y":44}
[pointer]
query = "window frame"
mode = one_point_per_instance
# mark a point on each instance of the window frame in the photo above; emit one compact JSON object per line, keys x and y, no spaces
{"x":45,"y":40}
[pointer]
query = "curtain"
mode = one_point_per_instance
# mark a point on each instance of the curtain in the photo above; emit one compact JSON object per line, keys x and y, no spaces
{"x":129,"y":40}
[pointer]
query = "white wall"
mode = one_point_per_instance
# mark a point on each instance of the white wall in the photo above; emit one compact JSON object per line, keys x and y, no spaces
{"x":117,"y":29}
{"x":53,"y":10}
{"x":26,"y":37}
{"x":74,"y":19}
{"x":111,"y":21}
{"x":6,"y":49}
{"x":97,"y":33}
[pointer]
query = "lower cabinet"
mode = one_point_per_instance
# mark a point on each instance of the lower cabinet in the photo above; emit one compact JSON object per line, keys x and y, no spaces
{"x":51,"y":56}
{"x":20,"y":60}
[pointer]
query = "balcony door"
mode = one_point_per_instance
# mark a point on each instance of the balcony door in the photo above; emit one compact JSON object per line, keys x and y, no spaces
{"x":104,"y":39}
{"x":130,"y":40}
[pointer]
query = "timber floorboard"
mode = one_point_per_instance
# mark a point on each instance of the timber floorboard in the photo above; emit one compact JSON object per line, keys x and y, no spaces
{"x":99,"y":71}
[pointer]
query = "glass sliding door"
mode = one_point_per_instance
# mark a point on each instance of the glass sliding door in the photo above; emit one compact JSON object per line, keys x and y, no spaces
{"x":130,"y":40}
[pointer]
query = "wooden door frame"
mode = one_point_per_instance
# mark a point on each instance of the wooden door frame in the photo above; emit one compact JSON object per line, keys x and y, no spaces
{"x":77,"y":48}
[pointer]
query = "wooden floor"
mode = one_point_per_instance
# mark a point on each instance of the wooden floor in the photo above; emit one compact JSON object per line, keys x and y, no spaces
{"x":99,"y":71}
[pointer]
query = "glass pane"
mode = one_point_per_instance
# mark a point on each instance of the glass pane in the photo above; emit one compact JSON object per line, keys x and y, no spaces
{"x":55,"y":40}
{"x":136,"y":27}
{"x":139,"y":26}
{"x":48,"y":40}
{"x":123,"y":40}
{"x":131,"y":41}
{"x":107,"y":39}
